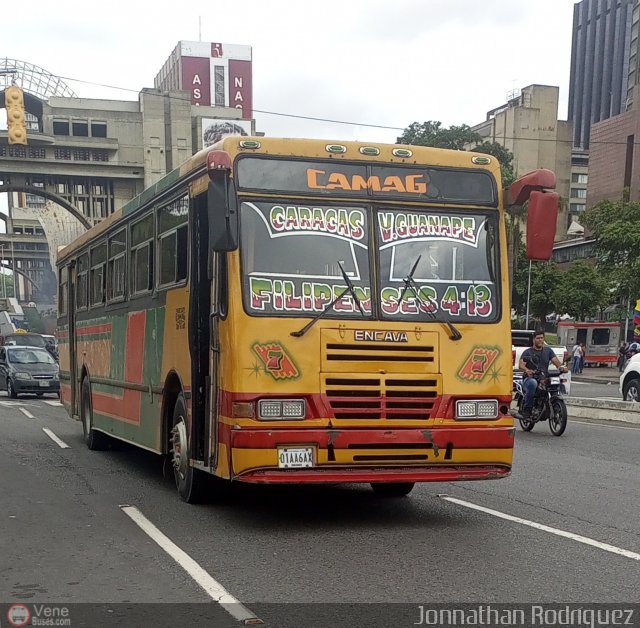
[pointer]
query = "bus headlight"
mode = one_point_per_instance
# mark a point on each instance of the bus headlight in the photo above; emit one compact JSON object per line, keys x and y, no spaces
{"x":477,"y":409}
{"x":282,"y":409}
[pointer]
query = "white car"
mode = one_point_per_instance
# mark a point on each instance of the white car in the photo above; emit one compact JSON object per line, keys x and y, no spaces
{"x":630,"y":380}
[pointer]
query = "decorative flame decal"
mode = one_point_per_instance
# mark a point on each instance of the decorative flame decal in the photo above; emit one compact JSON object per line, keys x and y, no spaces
{"x":276,"y":360}
{"x":477,"y":364}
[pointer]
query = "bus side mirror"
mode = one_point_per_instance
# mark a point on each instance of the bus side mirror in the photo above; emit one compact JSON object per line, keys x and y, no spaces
{"x":223,"y":213}
{"x":542,"y":215}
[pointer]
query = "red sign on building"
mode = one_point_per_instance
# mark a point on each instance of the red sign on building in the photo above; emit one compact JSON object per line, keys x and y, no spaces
{"x":240,"y":86}
{"x":196,"y":78}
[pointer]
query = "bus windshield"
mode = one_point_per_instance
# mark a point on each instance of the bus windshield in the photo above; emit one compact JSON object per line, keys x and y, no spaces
{"x":453,"y":257}
{"x":292,"y":253}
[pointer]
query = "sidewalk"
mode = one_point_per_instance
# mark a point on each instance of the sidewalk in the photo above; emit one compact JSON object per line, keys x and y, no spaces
{"x":598,"y":375}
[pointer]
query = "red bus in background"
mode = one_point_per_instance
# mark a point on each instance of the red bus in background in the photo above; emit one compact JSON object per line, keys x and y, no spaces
{"x":601,"y":340}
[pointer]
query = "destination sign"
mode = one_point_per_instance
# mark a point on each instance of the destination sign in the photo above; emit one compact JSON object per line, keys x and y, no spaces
{"x":338,"y":178}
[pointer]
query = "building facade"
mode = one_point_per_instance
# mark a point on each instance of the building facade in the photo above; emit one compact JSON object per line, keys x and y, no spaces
{"x":600,"y":47}
{"x":215,"y":74}
{"x":614,"y":160}
{"x":528,"y":126}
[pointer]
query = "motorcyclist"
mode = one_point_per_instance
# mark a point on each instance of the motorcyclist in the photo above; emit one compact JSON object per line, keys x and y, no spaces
{"x":535,"y":361}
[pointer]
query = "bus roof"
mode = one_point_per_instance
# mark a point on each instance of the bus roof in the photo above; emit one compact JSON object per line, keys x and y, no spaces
{"x":299,"y":147}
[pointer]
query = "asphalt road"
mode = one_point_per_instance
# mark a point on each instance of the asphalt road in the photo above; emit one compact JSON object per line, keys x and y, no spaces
{"x":65,"y":537}
{"x":595,"y":391}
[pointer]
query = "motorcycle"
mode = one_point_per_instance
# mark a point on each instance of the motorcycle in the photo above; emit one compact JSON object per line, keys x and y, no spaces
{"x":548,"y":403}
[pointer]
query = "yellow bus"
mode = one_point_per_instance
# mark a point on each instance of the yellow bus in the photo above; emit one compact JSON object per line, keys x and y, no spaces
{"x":297,"y":311}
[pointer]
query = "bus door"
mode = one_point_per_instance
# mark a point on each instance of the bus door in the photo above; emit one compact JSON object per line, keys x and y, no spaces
{"x":73,"y":352}
{"x":218,"y":309}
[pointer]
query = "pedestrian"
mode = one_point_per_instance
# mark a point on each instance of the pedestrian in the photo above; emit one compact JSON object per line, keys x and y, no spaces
{"x":583,"y":356}
{"x":622,"y":354}
{"x":576,"y":353}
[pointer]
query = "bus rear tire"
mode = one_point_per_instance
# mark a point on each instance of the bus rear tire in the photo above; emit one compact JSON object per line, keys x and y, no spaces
{"x":392,"y":489}
{"x":95,"y":441}
{"x":189,"y":481}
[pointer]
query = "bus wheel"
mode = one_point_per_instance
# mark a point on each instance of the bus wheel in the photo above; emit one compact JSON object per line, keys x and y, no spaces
{"x":189,"y":481}
{"x":94,"y":440}
{"x":392,"y":489}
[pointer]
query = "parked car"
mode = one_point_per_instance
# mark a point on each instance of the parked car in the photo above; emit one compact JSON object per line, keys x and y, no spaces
{"x":28,"y":370}
{"x":630,"y":379}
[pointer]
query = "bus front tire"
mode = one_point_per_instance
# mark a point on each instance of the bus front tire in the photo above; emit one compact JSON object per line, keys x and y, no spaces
{"x":189,"y":481}
{"x":392,"y":489}
{"x":95,"y":441}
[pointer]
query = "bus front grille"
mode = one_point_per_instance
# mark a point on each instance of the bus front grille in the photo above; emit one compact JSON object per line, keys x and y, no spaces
{"x":384,"y":397}
{"x":407,"y":352}
{"x":341,"y":352}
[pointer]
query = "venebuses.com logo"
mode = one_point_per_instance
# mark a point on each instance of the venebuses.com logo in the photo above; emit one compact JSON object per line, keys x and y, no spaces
{"x":18,"y":615}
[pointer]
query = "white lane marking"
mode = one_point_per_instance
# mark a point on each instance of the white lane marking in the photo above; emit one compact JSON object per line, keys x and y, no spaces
{"x":615,"y":427}
{"x":9,"y":404}
{"x":54,"y":438}
{"x":51,"y":402}
{"x":540,"y":526}
{"x":26,"y":413}
{"x":211,"y":586}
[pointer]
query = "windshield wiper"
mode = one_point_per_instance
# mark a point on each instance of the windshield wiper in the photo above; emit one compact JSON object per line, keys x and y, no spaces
{"x":349,"y":289}
{"x":410,"y":283}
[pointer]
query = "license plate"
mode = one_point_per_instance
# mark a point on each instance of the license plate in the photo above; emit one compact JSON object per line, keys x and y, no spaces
{"x":295,"y":457}
{"x":44,"y":384}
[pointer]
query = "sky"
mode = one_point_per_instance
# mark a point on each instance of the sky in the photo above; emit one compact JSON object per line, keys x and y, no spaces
{"x":368,"y":62}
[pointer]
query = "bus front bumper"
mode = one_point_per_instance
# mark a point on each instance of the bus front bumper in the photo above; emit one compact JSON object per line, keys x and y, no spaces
{"x":440,"y":454}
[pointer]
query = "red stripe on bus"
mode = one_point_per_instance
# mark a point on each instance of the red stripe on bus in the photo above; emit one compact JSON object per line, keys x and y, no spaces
{"x":134,"y":356}
{"x":495,"y":437}
{"x":332,"y":475}
{"x":94,"y":329}
{"x":127,"y":407}
{"x":319,"y":405}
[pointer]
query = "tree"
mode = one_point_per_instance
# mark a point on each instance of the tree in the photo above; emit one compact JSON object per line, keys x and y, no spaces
{"x":616,"y":228}
{"x":582,"y":291}
{"x":545,"y":277}
{"x":432,"y":133}
{"x":6,"y":280}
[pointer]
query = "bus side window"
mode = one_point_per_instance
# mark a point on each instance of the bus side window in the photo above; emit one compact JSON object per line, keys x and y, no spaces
{"x":173,"y":242}
{"x":62,"y":291}
{"x":98,"y":274}
{"x":82,"y":282}
{"x":141,"y":255}
{"x":116,"y":268}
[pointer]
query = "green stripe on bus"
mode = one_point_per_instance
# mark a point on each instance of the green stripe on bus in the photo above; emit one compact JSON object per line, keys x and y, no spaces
{"x":118,"y":335}
{"x":153,"y":347}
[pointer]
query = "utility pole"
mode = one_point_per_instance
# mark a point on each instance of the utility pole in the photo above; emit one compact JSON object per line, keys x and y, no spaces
{"x":526,"y":321}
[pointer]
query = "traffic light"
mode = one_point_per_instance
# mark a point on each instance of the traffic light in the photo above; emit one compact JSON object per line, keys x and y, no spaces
{"x":16,"y":121}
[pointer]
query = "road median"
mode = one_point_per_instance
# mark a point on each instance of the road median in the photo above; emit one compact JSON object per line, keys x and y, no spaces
{"x":609,"y":410}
